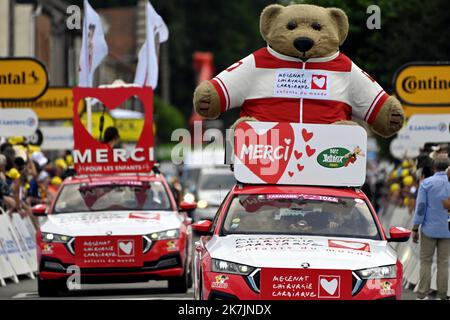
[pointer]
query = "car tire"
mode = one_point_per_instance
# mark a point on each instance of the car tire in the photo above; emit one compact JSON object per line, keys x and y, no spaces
{"x":50,"y":288}
{"x":179,"y":284}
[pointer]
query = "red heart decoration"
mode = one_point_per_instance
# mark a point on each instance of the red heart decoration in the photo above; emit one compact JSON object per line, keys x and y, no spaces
{"x":291,"y":174}
{"x":298,"y":155}
{"x":307,"y":135}
{"x":310,"y":151}
{"x":260,"y":166}
{"x":300,"y":168}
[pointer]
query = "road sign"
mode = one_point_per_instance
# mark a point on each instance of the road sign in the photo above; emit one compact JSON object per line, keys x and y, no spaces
{"x":22,"y":79}
{"x":55,"y":104}
{"x":422,"y":84}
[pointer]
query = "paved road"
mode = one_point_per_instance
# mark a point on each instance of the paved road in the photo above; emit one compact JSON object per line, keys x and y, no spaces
{"x":153,"y":290}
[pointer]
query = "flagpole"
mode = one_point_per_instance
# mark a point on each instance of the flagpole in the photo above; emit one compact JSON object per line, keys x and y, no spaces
{"x":89,"y":115}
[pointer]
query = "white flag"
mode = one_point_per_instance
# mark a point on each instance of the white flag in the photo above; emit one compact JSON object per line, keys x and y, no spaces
{"x":147,"y":67}
{"x":94,"y":48}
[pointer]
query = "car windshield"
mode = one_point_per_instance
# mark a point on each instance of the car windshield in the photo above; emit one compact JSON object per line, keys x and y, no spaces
{"x":212,"y":181}
{"x":112,"y":197}
{"x":300,"y":215}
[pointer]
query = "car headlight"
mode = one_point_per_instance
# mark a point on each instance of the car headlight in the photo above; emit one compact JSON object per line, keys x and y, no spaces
{"x":55,"y":238}
{"x":221,"y":266}
{"x":386,"y":272}
{"x":165,"y":235}
{"x":202,"y":204}
{"x":189,"y":197}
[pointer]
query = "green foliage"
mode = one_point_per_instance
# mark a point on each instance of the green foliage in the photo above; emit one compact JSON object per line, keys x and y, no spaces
{"x":167,"y":119}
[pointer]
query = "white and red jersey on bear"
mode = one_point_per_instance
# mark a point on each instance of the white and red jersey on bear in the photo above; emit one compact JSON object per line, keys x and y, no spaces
{"x":273,"y":87}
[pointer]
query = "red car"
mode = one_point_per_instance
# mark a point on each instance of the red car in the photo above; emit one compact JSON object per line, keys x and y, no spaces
{"x":106,"y":229}
{"x":292,"y":242}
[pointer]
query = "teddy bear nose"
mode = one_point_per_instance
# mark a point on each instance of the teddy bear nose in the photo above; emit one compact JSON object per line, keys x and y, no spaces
{"x":303,"y":44}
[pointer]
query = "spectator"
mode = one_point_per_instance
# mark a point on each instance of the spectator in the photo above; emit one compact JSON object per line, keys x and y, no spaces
{"x":432,"y":218}
{"x":6,"y":199}
{"x":111,"y":137}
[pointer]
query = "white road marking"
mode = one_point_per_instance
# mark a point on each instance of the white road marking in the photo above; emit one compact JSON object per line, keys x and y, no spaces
{"x":25,"y":295}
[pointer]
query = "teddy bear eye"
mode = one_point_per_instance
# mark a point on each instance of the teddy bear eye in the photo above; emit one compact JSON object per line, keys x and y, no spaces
{"x":292,"y":25}
{"x":316,"y":26}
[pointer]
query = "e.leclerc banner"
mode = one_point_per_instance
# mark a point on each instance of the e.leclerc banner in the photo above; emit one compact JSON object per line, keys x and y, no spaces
{"x":300,"y":154}
{"x":94,"y":157}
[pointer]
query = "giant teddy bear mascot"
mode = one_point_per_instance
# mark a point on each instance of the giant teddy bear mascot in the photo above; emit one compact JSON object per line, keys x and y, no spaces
{"x":301,"y":76}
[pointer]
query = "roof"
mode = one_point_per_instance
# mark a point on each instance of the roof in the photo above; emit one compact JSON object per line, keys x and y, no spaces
{"x":114,"y":178}
{"x":284,"y":189}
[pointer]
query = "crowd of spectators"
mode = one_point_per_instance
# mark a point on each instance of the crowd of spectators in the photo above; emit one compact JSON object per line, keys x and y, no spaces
{"x":404,"y":180}
{"x":28,"y":176}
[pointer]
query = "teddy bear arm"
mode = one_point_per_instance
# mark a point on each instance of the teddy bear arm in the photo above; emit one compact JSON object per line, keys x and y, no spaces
{"x":390,"y":118}
{"x":207,"y":100}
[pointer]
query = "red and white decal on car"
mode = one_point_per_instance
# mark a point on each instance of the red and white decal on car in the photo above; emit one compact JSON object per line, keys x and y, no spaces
{"x":352,"y":245}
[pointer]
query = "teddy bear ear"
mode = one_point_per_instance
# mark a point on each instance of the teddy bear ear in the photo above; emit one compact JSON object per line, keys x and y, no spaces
{"x":267,"y":17}
{"x":341,"y":20}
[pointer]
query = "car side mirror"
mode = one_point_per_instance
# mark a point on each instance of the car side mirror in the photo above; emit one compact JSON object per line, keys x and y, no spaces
{"x":399,"y":234}
{"x":202,"y":227}
{"x":39,"y":210}
{"x":188,"y":206}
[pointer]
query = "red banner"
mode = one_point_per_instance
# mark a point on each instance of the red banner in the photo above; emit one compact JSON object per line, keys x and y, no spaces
{"x":108,"y":251}
{"x":306,"y":284}
{"x":95,"y":157}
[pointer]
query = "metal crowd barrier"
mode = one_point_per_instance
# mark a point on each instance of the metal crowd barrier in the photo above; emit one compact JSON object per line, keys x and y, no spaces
{"x":17,"y":248}
{"x":407,"y":252}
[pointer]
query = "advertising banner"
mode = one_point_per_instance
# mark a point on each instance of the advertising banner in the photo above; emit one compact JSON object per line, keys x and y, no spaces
{"x":18,"y":122}
{"x":22,"y":79}
{"x":300,"y":154}
{"x":55,"y":104}
{"x":423,"y":84}
{"x":109,"y":251}
{"x":57,"y":138}
{"x":305,"y":284}
{"x":92,"y":156}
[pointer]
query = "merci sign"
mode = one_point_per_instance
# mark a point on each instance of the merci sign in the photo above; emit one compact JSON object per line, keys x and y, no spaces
{"x":300,"y":154}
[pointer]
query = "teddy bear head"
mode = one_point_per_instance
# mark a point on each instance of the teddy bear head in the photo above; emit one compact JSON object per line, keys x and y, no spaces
{"x":304,"y":31}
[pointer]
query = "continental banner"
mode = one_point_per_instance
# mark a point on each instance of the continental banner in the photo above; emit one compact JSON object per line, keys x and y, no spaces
{"x":55,"y":104}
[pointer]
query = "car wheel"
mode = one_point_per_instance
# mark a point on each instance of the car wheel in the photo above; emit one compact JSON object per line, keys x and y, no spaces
{"x":179,"y":284}
{"x":50,"y":288}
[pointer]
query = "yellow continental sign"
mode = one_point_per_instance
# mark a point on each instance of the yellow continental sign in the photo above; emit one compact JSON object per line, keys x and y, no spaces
{"x":55,"y":104}
{"x":421,"y":84}
{"x":22,"y":79}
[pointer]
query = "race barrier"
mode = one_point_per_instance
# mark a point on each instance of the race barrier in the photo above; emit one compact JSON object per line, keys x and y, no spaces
{"x":407,"y":252}
{"x":17,"y":248}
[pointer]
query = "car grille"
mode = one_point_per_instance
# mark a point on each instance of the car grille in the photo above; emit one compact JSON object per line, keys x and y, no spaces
{"x":254,"y":281}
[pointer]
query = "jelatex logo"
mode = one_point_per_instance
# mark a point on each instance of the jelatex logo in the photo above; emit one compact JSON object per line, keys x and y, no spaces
{"x":333,"y":158}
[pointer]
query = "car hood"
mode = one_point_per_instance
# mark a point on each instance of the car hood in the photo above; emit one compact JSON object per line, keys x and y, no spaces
{"x":213,"y":197}
{"x":292,"y":251}
{"x":113,"y":223}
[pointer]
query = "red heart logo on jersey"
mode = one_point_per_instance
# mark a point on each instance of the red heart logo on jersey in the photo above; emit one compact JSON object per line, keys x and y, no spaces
{"x":298,"y":155}
{"x":280,"y":136}
{"x":307,"y":135}
{"x":310,"y":151}
{"x":300,"y":168}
